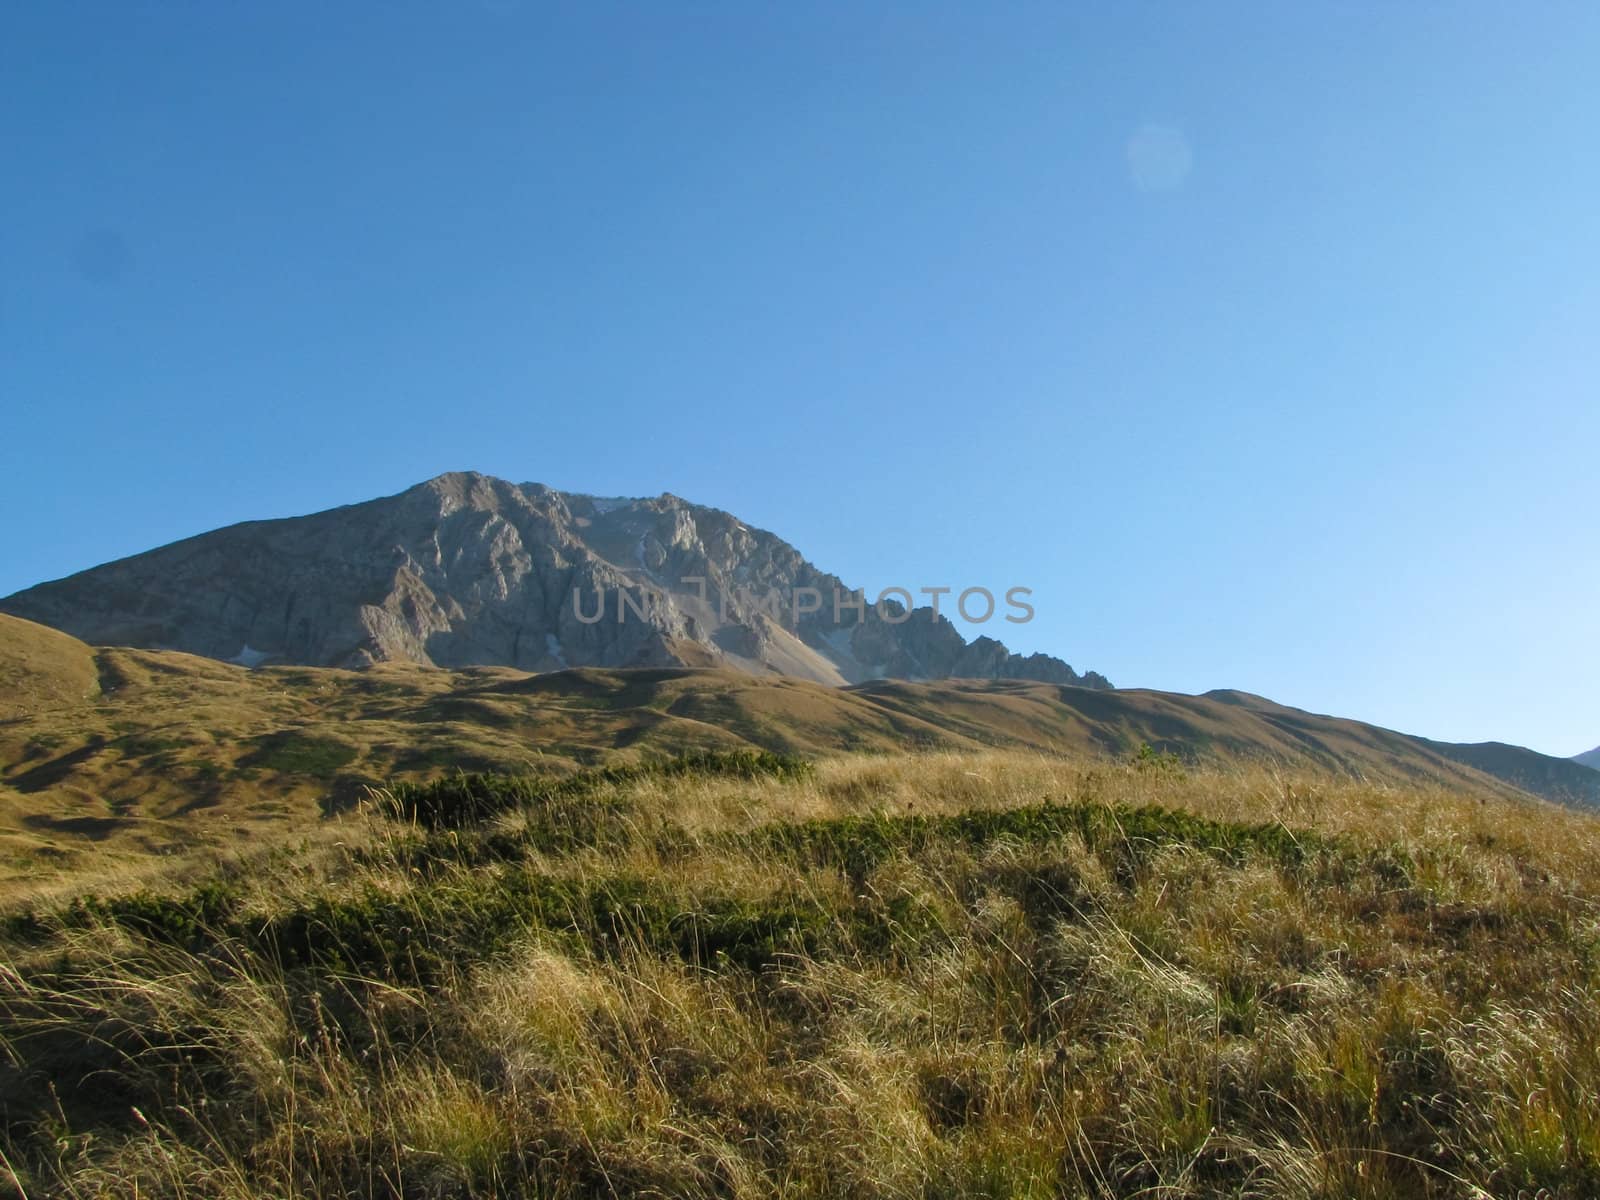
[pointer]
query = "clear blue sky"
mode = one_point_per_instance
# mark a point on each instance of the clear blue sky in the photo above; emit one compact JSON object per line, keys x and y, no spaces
{"x":1261,"y":341}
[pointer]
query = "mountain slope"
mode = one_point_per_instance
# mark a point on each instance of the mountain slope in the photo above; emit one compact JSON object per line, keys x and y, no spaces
{"x":139,"y":752}
{"x":1557,"y":779}
{"x":466,"y":570}
{"x":1589,"y":759}
{"x":41,"y":668}
{"x":1561,"y":779}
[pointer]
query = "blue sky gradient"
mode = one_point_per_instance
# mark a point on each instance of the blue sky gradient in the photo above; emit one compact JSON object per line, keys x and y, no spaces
{"x":1259,"y":340}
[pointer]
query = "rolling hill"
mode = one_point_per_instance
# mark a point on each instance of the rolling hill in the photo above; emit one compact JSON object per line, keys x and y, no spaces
{"x":41,"y":669}
{"x":127,"y":753}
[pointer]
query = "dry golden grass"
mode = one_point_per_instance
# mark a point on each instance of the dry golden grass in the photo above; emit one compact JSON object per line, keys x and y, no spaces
{"x":113,"y":758}
{"x":946,"y":974}
{"x":42,"y":669}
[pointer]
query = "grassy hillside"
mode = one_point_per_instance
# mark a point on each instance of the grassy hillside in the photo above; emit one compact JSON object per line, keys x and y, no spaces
{"x":1557,"y":778}
{"x":112,"y":759}
{"x":949,"y":974}
{"x":42,"y":669}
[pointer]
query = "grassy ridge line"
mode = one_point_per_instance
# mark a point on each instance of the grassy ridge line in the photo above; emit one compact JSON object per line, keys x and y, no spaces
{"x":411,"y":939}
{"x":162,"y":754}
{"x":376,"y":933}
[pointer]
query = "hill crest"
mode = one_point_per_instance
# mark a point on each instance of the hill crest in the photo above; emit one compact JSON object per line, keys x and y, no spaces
{"x":115,"y":750}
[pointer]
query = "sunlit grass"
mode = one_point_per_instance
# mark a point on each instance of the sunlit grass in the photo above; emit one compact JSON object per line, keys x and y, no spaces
{"x":919,"y":975}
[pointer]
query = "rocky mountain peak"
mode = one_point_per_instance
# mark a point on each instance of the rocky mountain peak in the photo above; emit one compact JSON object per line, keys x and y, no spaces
{"x":467,"y":569}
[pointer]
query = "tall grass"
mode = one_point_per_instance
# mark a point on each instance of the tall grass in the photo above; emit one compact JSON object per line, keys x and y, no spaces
{"x":916,"y":976}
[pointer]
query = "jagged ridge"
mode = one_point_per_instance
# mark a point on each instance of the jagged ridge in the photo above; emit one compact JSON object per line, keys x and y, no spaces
{"x":469,"y":570}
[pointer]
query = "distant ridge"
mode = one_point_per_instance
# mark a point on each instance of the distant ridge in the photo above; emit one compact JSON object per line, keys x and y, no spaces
{"x":143,"y":747}
{"x":1561,"y":779}
{"x":1590,"y":758}
{"x":468,"y":570}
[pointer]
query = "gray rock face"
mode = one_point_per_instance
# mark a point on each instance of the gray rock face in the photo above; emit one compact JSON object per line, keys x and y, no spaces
{"x":468,"y":570}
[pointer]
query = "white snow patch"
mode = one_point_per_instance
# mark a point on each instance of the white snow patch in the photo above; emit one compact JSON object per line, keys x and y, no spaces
{"x":250,"y":658}
{"x":553,"y":645}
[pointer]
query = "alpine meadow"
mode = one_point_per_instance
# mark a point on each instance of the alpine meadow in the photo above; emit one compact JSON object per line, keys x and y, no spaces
{"x":830,"y":601}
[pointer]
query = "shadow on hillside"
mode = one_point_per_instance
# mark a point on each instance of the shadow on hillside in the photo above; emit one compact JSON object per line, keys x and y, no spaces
{"x":97,"y":828}
{"x":48,"y":774}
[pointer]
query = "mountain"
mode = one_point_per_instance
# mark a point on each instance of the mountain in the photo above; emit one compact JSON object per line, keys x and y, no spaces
{"x":467,"y":570}
{"x":1590,"y":759}
{"x":116,"y":752}
{"x":1556,"y":778}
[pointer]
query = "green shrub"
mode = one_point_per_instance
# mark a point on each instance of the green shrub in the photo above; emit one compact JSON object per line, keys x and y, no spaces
{"x":468,"y":799}
{"x":1126,"y":836}
{"x":189,"y":919}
